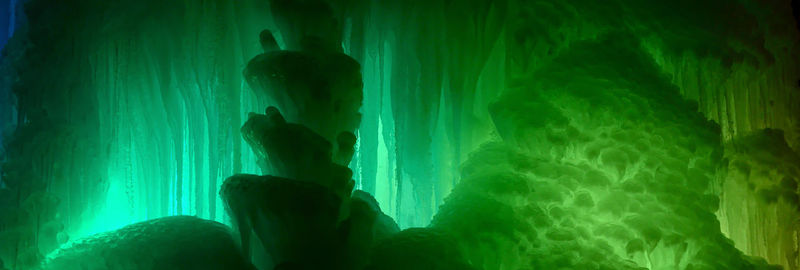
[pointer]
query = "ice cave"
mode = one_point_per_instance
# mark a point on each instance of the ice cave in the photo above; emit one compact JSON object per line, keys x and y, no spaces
{"x":399,"y":134}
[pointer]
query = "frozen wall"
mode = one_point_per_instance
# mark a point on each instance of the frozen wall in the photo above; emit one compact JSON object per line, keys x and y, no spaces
{"x":132,"y":112}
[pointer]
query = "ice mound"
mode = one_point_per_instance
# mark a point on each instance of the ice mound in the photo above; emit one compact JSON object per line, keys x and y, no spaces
{"x":178,"y":242}
{"x":602,"y":165}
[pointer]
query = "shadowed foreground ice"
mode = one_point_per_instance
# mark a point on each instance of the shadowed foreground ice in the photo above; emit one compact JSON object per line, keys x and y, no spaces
{"x":179,"y":242}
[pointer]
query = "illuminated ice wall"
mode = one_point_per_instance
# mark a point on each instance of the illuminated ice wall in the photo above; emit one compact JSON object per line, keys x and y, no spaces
{"x":559,"y":125}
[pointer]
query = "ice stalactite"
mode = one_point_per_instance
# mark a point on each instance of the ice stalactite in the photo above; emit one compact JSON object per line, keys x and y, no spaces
{"x":8,"y":111}
{"x":759,"y":197}
{"x":429,"y":95}
{"x":127,"y":113}
{"x":412,"y":99}
{"x":46,"y":188}
{"x":750,"y":85}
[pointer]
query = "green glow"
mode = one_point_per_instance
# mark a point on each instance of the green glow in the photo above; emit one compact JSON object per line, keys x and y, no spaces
{"x":534,"y":133}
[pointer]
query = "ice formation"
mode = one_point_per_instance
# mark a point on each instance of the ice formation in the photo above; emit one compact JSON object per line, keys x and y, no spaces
{"x":318,"y":89}
{"x":179,"y":242}
{"x":604,"y":166}
{"x":512,"y":134}
{"x":301,"y":212}
{"x":418,"y":248}
{"x":759,"y":196}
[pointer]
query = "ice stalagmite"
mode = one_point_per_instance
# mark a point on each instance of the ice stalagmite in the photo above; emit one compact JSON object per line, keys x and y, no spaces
{"x":316,"y":86}
{"x":301,"y":214}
